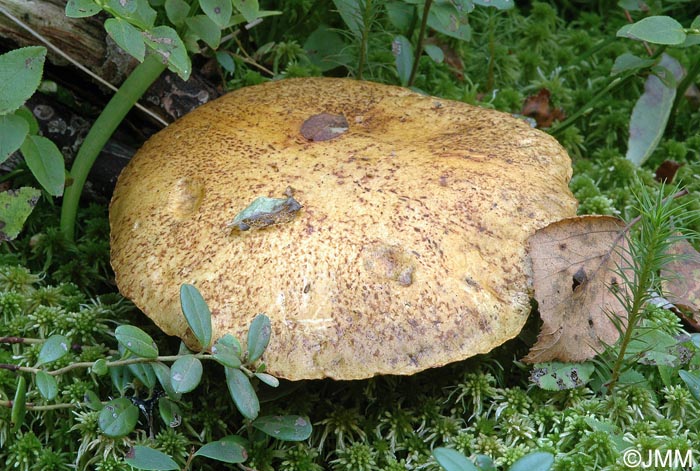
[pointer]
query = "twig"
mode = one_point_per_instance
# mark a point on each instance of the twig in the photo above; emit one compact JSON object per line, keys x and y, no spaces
{"x":32,"y":406}
{"x":12,"y":340}
{"x":77,"y":64}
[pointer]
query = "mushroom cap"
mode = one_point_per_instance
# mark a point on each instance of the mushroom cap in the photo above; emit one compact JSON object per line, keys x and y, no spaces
{"x":408,"y":252}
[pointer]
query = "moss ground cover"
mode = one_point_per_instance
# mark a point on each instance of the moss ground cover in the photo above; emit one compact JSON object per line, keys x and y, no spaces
{"x":485,"y":406}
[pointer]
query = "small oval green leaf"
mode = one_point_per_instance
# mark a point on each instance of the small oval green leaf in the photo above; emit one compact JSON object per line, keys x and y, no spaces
{"x":268,"y":379}
{"x":100,"y":367}
{"x":196,"y":313}
{"x":258,"y":337}
{"x":46,"y":163}
{"x":47,"y":386}
{"x":17,"y":205}
{"x":127,"y":37}
{"x":692,"y":380}
{"x":143,"y":457}
{"x":118,"y":418}
{"x":227,"y":450}
{"x":177,"y":11}
{"x":55,"y":347}
{"x":452,"y":460}
{"x":82,"y":8}
{"x":136,"y":341}
{"x":167,"y":44}
{"x":205,"y":29}
{"x":219,"y":11}
{"x":292,"y":428}
{"x":91,"y":400}
{"x":656,"y":30}
{"x":162,"y":372}
{"x":250,"y":9}
{"x":227,"y":353}
{"x":170,"y":412}
{"x":19,"y":404}
{"x":185,"y":374}
{"x":403,"y":58}
{"x":13,"y":131}
{"x":242,"y":393}
{"x":20,"y":74}
{"x":144,"y":373}
{"x":537,"y":461}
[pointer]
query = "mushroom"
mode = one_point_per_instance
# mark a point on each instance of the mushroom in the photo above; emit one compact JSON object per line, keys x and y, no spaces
{"x":382,"y":231}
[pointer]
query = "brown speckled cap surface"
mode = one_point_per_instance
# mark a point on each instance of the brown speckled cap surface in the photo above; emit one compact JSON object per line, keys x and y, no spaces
{"x":409,"y":251}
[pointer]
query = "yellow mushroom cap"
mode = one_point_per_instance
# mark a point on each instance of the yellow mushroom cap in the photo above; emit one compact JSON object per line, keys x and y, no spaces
{"x":409,"y":248}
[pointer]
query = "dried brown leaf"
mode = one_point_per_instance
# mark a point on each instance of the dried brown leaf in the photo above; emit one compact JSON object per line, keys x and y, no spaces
{"x":539,"y":108}
{"x":575,"y":268}
{"x":682,"y":277}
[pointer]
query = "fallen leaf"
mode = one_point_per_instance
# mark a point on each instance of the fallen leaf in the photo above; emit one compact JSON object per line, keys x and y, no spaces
{"x":682,"y":277}
{"x":539,"y":107}
{"x":324,"y":126}
{"x":667,"y":170}
{"x":575,"y":268}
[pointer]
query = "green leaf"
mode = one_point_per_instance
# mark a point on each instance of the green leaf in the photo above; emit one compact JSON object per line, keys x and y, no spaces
{"x":19,"y":405}
{"x":120,"y":376}
{"x":137,"y":12}
{"x":633,"y":5}
{"x":248,"y":8}
{"x":55,"y":347}
{"x":498,"y":4}
{"x":99,"y":367}
{"x":351,"y":14}
{"x":205,"y":29}
{"x":123,"y":7}
{"x":435,"y":53}
{"x":268,"y":379}
{"x":403,"y":58}
{"x":226,"y":61}
{"x":118,"y":418}
{"x":177,"y":11}
{"x":226,"y":353}
{"x":143,"y":457}
{"x":26,"y":114}
{"x":537,"y":461}
{"x":47,"y":386}
{"x":400,"y":15}
{"x":82,"y":8}
{"x":144,"y":373}
{"x":15,"y":208}
{"x":326,"y":49}
{"x":127,"y":37}
{"x":242,"y":393}
{"x":227,"y":450}
{"x":656,"y":30}
{"x":446,"y":19}
{"x":20,"y":75}
{"x":197,"y":314}
{"x":258,"y":337}
{"x":46,"y":163}
{"x":170,"y":412}
{"x":136,"y":341}
{"x":692,"y":380}
{"x":186,"y":373}
{"x":452,"y":460}
{"x":651,"y":112}
{"x":219,"y":11}
{"x":91,"y":400}
{"x":13,"y":130}
{"x":291,"y":428}
{"x":625,"y":62}
{"x":555,"y":376}
{"x":162,"y":372}
{"x":484,"y":462}
{"x":168,"y":45}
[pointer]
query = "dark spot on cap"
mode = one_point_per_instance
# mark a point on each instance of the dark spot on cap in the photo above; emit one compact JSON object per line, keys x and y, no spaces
{"x":579,"y":278}
{"x":324,"y":126}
